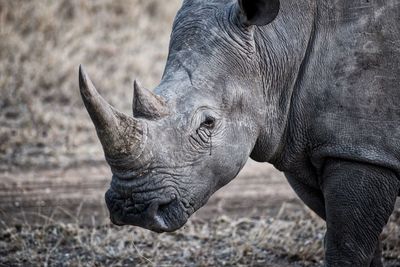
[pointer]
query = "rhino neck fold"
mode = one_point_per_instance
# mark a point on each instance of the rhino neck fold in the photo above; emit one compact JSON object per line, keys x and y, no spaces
{"x":290,"y":65}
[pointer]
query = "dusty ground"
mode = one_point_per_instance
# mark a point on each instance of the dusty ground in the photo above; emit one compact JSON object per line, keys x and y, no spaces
{"x":48,"y":213}
{"x":58,"y":217}
{"x":259,"y":190}
{"x":52,"y":173}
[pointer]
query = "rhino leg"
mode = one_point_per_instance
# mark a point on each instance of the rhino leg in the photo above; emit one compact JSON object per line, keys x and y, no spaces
{"x":312,"y":197}
{"x":359,"y":199}
{"x":377,"y":261}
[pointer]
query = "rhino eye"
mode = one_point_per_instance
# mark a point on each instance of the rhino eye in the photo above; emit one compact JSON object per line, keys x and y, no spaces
{"x":209,"y":122}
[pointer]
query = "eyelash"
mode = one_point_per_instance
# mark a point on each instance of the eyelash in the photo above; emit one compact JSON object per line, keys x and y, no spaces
{"x":208,"y":123}
{"x":204,"y":133}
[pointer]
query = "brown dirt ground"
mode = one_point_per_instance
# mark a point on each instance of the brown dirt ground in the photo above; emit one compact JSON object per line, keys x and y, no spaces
{"x":259,"y":190}
{"x":30,"y":199}
{"x":65,"y":204}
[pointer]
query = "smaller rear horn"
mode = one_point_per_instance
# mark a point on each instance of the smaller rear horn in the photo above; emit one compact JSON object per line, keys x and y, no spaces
{"x":147,"y":105}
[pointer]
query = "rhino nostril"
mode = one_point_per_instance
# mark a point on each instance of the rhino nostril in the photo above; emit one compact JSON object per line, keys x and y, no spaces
{"x":134,"y":207}
{"x":140,"y":207}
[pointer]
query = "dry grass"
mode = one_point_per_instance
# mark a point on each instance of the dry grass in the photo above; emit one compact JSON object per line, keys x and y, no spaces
{"x":42,"y":119}
{"x":295,"y":240}
{"x":220,"y":242}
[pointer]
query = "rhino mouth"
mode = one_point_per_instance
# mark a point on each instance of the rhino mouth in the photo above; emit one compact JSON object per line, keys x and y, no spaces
{"x":158,"y":210}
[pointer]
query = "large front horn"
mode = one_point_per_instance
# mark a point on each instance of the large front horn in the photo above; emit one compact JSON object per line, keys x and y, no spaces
{"x":122,"y":136}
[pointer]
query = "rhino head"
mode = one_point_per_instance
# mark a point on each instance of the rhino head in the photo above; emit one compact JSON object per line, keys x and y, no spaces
{"x":196,"y":131}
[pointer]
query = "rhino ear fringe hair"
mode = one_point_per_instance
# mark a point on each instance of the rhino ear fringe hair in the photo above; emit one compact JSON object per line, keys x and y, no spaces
{"x":258,"y":12}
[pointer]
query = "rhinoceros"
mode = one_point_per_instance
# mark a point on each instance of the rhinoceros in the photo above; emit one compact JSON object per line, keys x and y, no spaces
{"x":310,"y":86}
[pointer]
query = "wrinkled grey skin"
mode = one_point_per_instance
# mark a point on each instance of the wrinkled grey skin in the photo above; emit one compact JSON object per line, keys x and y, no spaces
{"x":314,"y":90}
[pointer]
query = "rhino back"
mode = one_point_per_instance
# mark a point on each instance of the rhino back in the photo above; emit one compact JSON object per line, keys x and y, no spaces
{"x":347,"y":104}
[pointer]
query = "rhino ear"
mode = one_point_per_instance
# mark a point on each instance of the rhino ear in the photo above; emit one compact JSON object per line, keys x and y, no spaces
{"x":258,"y":12}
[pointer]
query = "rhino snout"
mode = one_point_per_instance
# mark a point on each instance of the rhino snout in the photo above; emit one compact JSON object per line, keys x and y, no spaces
{"x":165,"y":213}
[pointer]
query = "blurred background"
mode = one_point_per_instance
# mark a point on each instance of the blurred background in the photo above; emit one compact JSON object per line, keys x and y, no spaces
{"x":42,"y":45}
{"x":52,"y":171}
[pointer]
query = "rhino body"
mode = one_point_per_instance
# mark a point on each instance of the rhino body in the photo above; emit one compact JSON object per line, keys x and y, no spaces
{"x":310,"y":86}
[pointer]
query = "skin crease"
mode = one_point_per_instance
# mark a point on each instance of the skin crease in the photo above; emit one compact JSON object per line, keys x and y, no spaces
{"x":313,"y":91}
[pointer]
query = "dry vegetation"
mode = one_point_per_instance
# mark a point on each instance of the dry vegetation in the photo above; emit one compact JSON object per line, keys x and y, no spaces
{"x":43,"y":124}
{"x":42,"y":44}
{"x":287,"y":240}
{"x":220,"y":242}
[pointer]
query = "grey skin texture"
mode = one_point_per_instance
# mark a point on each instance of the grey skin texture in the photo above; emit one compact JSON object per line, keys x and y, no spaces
{"x":311,"y":86}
